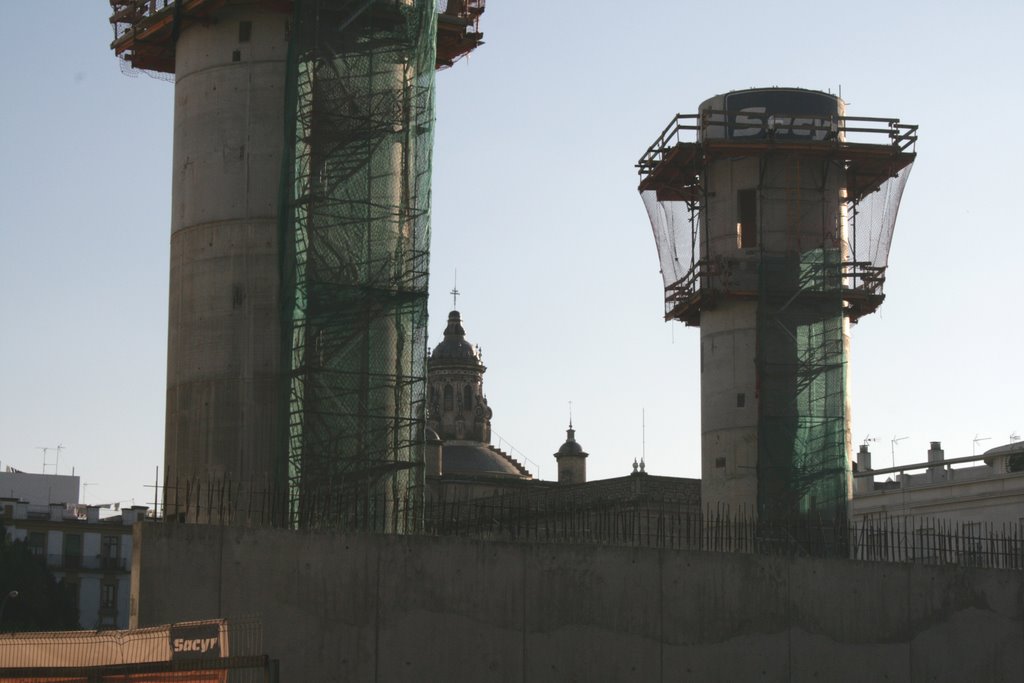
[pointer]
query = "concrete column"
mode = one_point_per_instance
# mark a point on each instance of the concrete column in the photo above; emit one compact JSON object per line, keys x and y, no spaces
{"x":224,"y":415}
{"x":799,"y":208}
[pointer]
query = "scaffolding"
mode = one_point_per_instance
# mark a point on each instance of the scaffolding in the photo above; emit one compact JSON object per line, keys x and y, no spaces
{"x":146,"y":31}
{"x":801,"y":370}
{"x":831,"y":269}
{"x":355,"y":232}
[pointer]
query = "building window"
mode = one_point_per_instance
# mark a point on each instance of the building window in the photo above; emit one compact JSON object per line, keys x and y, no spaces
{"x":741,"y":400}
{"x":467,"y":397}
{"x":108,"y":596}
{"x":111,"y":549}
{"x":37,"y":543}
{"x":449,"y":397}
{"x":746,"y":219}
{"x":72,"y":551}
{"x":244,"y":31}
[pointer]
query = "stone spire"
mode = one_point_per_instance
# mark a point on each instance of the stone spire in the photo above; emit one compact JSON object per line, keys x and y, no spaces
{"x":457,"y":406}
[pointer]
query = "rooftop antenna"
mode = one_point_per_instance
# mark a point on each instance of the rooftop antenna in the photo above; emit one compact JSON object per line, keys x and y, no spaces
{"x":570,"y":414}
{"x":455,"y":291}
{"x":84,"y":484}
{"x":974,"y":450}
{"x":896,"y":440}
{"x":643,"y":437}
{"x":1014,"y":437}
{"x":869,"y":439}
{"x":46,"y":450}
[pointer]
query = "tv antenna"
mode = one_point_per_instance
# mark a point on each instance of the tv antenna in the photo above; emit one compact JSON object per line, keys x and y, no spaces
{"x":643,"y":437}
{"x":1014,"y":437}
{"x":892,"y":444}
{"x":974,"y":451}
{"x":46,"y":460}
{"x":86,"y":484}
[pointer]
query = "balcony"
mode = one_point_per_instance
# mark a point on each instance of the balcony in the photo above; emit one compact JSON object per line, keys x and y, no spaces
{"x":94,"y":563}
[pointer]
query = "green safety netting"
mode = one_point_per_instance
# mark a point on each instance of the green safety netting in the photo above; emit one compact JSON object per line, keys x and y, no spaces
{"x":355,"y":231}
{"x":801,"y":366}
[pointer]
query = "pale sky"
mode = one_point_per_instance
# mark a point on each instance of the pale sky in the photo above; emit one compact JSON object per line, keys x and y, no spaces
{"x":535,"y":205}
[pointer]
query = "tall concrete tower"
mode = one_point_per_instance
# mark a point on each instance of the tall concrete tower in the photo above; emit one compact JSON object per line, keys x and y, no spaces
{"x":299,"y":242}
{"x":773,"y":229}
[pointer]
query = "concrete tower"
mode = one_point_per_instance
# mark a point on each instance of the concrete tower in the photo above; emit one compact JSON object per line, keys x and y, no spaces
{"x":224,"y":355}
{"x":773,"y":230}
{"x":299,"y":236}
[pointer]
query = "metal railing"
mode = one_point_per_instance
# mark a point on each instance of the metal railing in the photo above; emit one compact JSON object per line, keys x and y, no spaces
{"x":127,"y":14}
{"x":89,"y":563}
{"x":851,"y":279}
{"x":812,"y":129}
{"x":549,"y":515}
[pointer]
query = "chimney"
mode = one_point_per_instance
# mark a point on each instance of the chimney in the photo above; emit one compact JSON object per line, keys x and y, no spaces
{"x":56,"y":512}
{"x":864,"y":485}
{"x":92,"y":513}
{"x":936,"y":455}
{"x":864,"y":458}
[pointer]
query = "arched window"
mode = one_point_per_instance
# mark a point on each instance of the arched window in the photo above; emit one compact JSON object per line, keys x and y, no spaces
{"x":467,"y":397}
{"x":449,"y":397}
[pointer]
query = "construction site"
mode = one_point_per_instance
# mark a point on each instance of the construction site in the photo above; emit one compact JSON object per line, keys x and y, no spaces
{"x":331,"y":479}
{"x":299,"y":270}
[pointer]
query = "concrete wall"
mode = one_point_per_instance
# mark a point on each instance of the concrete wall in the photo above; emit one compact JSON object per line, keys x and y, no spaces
{"x":375,"y":608}
{"x":40,"y":489}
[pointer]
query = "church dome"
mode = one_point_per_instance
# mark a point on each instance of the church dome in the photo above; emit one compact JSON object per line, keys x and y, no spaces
{"x":571,"y":446}
{"x":454,"y":347}
{"x":469,"y":458}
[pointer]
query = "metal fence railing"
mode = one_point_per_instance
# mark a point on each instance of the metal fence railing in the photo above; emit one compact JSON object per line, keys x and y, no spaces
{"x":549,"y":516}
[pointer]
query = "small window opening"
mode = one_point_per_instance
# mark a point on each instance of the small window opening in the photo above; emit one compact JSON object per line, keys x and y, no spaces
{"x":108,"y":598}
{"x":746,"y":219}
{"x":244,"y":31}
{"x":449,"y":397}
{"x":719,"y":463}
{"x":236,"y":56}
{"x":741,"y":400}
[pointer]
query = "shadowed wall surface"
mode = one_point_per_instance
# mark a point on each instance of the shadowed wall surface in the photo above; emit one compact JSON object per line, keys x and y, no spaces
{"x":414,"y":608}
